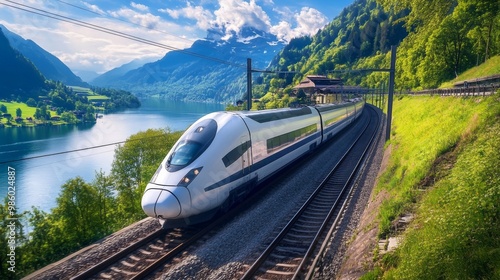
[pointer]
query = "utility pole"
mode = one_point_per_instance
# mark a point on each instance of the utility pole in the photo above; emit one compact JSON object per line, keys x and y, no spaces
{"x":249,"y":84}
{"x":392,"y":73}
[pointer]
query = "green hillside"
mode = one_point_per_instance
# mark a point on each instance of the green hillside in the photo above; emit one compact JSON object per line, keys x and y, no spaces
{"x":18,"y":76}
{"x":443,"y":169}
{"x":489,"y":68}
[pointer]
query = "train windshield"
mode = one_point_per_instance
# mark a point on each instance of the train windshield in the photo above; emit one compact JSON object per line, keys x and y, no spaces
{"x":185,"y":153}
{"x":192,"y":144}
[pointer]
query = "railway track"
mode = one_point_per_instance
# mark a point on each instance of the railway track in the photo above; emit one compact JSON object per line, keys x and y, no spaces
{"x":143,"y":256}
{"x":160,"y":248}
{"x":289,"y":255}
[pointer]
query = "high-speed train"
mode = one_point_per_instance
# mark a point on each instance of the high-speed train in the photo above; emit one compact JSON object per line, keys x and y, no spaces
{"x":223,"y":155}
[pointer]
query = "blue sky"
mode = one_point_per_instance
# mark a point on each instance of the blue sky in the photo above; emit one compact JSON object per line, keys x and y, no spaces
{"x":175,"y":23}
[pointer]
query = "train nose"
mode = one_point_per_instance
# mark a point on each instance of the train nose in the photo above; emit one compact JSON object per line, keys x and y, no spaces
{"x":160,"y":203}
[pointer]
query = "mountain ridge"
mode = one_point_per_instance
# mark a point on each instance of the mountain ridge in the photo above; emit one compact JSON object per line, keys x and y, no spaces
{"x":48,"y":64}
{"x":206,"y":71}
{"x":18,"y":75}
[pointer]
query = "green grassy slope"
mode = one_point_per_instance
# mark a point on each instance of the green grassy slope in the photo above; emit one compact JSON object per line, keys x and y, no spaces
{"x":490,"y":67}
{"x":444,"y":169}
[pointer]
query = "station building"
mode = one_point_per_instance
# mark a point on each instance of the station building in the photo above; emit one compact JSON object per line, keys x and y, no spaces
{"x":321,"y":89}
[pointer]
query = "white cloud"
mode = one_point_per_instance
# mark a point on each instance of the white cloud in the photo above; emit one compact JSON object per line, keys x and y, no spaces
{"x":235,"y":14}
{"x":307,"y":22}
{"x":147,"y":20}
{"x":81,"y":47}
{"x":140,"y":7}
{"x":94,"y":8}
{"x":202,"y":16}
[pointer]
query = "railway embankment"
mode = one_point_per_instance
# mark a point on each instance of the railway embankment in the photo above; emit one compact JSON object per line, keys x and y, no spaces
{"x":436,"y":195}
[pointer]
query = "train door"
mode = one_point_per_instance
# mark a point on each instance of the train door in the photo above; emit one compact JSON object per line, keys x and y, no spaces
{"x":245,"y":185}
{"x":246,"y":157}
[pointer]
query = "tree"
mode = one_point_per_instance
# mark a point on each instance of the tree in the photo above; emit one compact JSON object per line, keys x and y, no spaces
{"x":42,"y":113}
{"x":301,"y":97}
{"x":19,"y":113}
{"x":69,"y":118}
{"x":43,"y":246}
{"x":31,"y":102}
{"x":76,"y":212}
{"x":3,"y":108}
{"x":104,"y":186}
{"x":134,"y":164}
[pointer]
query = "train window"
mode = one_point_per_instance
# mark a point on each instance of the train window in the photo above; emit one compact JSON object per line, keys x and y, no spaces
{"x":280,"y":115}
{"x":192,"y":144}
{"x":235,"y":154}
{"x":290,"y":137}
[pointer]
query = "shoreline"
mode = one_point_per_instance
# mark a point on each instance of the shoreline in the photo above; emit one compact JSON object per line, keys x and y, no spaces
{"x":46,"y":124}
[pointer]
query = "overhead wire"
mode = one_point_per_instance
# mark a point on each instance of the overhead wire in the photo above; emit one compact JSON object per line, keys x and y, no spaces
{"x":123,"y":20}
{"x":78,"y":150}
{"x":130,"y":22}
{"x":55,"y":16}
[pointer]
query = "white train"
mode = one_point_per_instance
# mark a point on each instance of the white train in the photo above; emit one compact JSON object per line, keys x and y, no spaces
{"x":223,"y":155}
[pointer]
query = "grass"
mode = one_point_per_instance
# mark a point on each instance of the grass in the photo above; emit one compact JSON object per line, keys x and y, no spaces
{"x":97,"y":98}
{"x":423,"y":129}
{"x":91,"y":95}
{"x":490,"y":67}
{"x":82,"y":89}
{"x":453,"y":141}
{"x":26,"y":111}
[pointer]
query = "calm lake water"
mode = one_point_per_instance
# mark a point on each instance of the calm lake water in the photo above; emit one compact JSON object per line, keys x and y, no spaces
{"x":38,"y":180}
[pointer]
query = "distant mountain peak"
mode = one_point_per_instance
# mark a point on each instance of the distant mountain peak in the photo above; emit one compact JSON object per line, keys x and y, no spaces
{"x":181,"y":76}
{"x":245,"y":35}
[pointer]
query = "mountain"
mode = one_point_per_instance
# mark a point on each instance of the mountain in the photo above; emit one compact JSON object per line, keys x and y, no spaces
{"x":49,"y":65}
{"x":211,"y":70}
{"x":119,"y":71}
{"x":18,"y":76}
{"x":86,"y":75}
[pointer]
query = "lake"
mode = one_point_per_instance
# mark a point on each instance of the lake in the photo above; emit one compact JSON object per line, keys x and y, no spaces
{"x":38,"y":177}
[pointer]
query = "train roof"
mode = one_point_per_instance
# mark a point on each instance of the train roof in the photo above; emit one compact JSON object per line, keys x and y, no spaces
{"x":269,"y":115}
{"x":276,"y":114}
{"x":328,"y":107}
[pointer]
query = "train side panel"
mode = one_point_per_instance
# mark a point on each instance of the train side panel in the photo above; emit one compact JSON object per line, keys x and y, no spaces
{"x":281,"y":136}
{"x":337,"y":117}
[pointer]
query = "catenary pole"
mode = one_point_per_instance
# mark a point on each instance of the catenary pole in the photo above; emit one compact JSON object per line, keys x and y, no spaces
{"x":249,"y":84}
{"x":391,"y":93}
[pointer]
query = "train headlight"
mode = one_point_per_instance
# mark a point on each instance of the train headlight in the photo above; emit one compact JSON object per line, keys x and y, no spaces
{"x":186,"y":180}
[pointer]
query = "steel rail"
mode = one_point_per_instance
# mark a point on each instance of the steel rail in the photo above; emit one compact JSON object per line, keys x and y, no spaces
{"x":117,"y":256}
{"x":322,"y":249}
